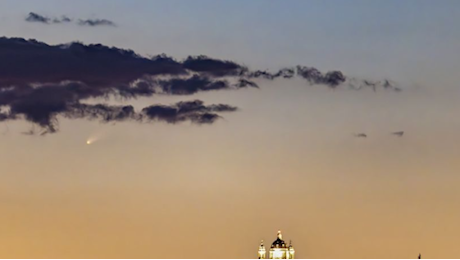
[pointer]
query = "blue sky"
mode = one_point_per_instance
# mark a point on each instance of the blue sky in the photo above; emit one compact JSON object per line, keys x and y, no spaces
{"x":361,"y":37}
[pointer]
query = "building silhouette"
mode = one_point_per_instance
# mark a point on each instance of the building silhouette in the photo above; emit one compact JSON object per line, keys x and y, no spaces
{"x":278,"y":249}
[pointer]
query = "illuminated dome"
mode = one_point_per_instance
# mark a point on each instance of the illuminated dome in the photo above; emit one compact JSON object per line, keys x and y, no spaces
{"x":278,"y":250}
{"x":279,"y":242}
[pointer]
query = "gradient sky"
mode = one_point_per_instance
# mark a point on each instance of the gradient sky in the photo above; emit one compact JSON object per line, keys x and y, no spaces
{"x":286,"y":160}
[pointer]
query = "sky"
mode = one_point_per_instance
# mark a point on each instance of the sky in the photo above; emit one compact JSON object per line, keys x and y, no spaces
{"x":287,"y":159}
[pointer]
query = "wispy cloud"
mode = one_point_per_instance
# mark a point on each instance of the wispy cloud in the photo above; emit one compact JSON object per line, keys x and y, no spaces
{"x":34,"y":17}
{"x":39,"y":18}
{"x":96,"y":22}
{"x":399,"y":133}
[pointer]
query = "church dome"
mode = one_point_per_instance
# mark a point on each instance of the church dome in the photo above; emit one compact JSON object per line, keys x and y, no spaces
{"x":279,"y":242}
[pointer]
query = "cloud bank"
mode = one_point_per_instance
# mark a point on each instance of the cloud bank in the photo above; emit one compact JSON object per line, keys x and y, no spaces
{"x":39,"y":82}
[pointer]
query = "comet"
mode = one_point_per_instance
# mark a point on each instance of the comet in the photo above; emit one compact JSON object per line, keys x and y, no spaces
{"x":96,"y":137}
{"x":91,"y":140}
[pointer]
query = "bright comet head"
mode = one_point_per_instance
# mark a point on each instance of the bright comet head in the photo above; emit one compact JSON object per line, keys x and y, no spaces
{"x":91,"y":140}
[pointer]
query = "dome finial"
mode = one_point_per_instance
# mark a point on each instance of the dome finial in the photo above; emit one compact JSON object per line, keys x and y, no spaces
{"x":279,"y":235}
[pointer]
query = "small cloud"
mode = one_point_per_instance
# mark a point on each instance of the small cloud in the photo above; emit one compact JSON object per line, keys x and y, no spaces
{"x":37,"y":18}
{"x":63,"y":19}
{"x":399,"y":134}
{"x":360,"y":135}
{"x":96,"y":22}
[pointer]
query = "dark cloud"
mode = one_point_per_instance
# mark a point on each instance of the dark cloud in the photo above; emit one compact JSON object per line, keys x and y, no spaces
{"x":40,"y":105}
{"x":213,"y":67}
{"x":26,"y":61}
{"x":222,"y":108}
{"x":194,"y":111}
{"x":243,"y":83}
{"x":63,"y":19}
{"x":43,"y":105}
{"x":3,"y":116}
{"x":358,"y":84}
{"x":314,"y":76}
{"x":196,"y":83}
{"x":331,"y":79}
{"x":96,"y":22}
{"x":141,"y":88}
{"x":102,"y":112}
{"x":34,"y":17}
{"x":180,"y":86}
{"x":39,"y":82}
{"x":191,"y":85}
{"x":360,"y":135}
{"x":285,"y":73}
{"x":399,"y":133}
{"x":37,"y":18}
